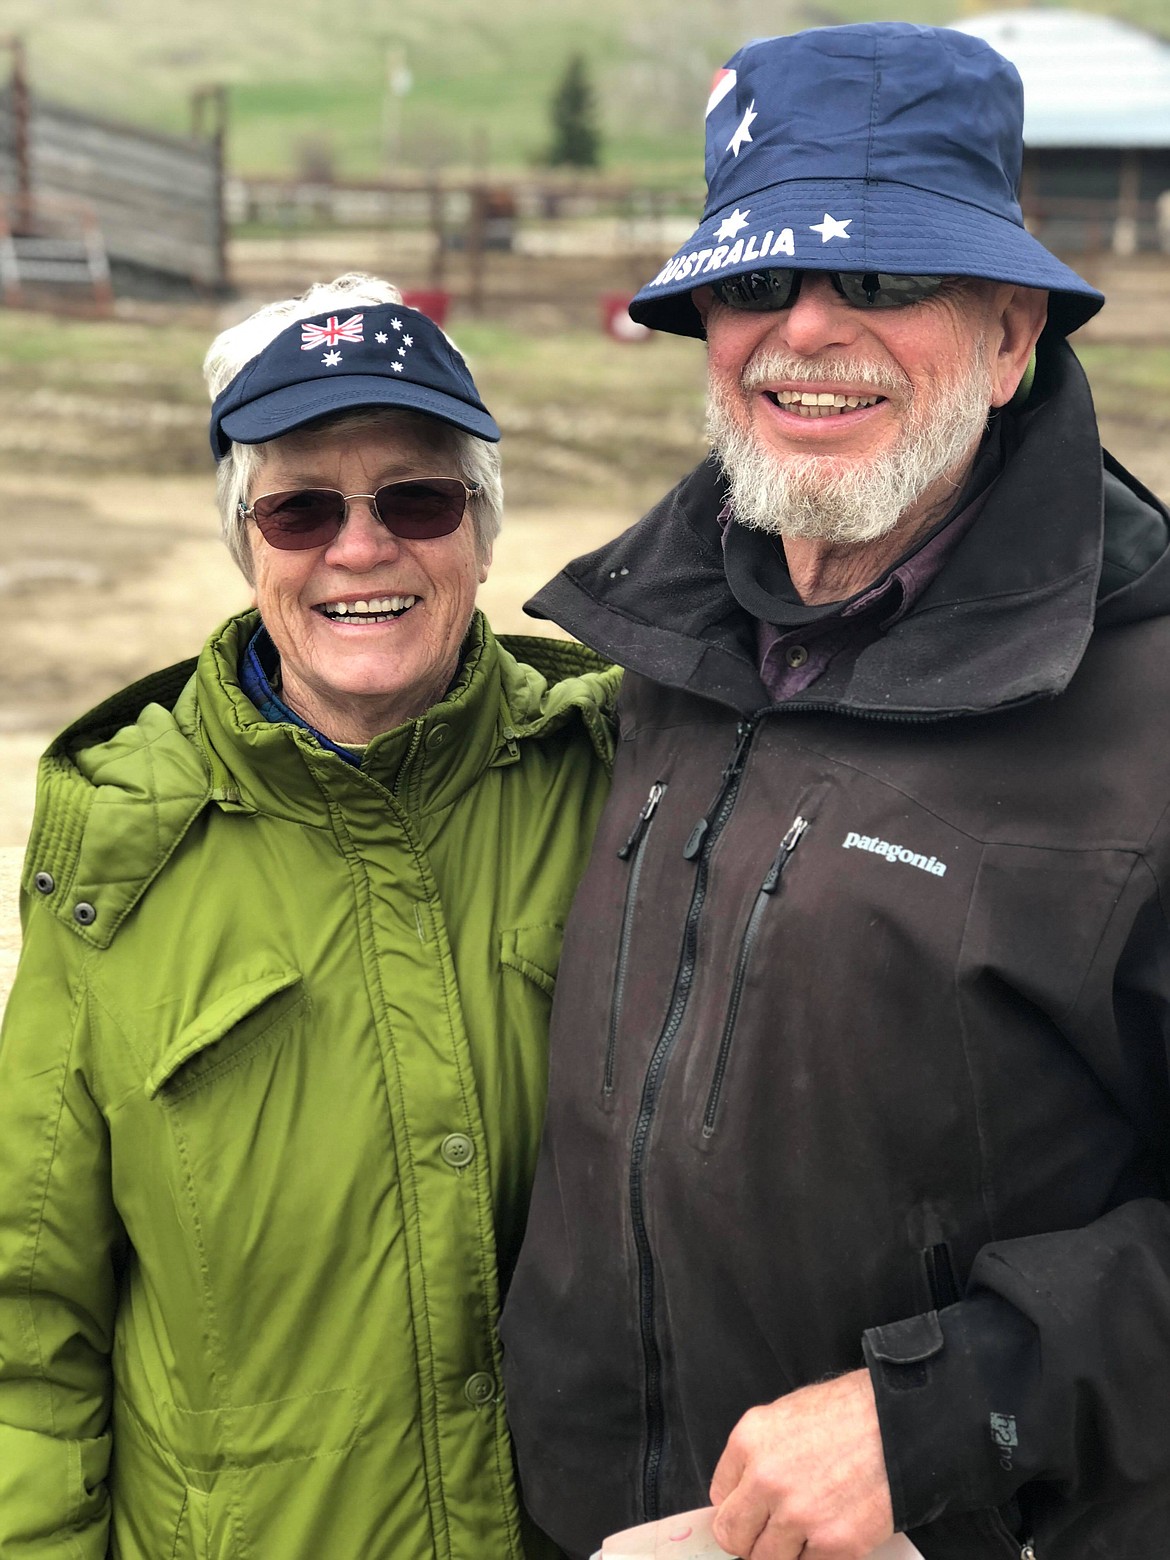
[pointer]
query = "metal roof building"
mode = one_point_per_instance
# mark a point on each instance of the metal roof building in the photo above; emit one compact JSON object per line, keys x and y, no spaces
{"x":1088,"y":80}
{"x":1096,"y":126}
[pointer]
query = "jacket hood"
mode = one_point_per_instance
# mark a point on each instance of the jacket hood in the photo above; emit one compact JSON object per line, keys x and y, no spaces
{"x":120,"y":788}
{"x":1006,"y":621}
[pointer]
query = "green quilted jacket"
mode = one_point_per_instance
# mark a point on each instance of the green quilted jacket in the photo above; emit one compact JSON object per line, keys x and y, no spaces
{"x":272,"y":1076}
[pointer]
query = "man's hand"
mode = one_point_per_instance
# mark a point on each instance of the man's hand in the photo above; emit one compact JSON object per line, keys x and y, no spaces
{"x":805,"y":1476}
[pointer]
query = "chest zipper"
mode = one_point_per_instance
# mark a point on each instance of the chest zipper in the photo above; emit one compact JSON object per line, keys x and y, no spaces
{"x":729,"y":778}
{"x":697,"y":849}
{"x":767,"y":889}
{"x":632,"y":851}
{"x":1028,"y":1552}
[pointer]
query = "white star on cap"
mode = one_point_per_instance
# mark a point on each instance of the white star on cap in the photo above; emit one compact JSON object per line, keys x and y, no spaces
{"x":397,"y":367}
{"x":331,"y":359}
{"x":743,"y":132}
{"x":830,"y":228}
{"x":395,"y":324}
{"x":731,"y":225}
{"x":402,"y":352}
{"x":408,"y":341}
{"x":381,"y":338}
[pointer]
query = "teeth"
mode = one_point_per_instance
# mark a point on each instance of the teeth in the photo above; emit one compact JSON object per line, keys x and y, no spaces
{"x":376,"y":606}
{"x":822,"y":403}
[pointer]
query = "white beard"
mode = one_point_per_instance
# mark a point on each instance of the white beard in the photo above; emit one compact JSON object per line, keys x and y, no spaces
{"x":825,"y":498}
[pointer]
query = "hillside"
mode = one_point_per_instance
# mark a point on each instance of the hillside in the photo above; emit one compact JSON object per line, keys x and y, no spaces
{"x":308,"y":77}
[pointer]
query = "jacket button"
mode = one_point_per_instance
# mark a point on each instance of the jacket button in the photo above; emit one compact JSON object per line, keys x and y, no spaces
{"x":43,"y":883}
{"x":457,"y":1150}
{"x":796,"y":656}
{"x":437,"y":735}
{"x":84,"y":914}
{"x":479,"y":1388}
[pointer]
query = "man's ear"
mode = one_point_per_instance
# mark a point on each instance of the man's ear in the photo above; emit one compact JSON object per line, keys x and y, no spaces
{"x":703,"y":298}
{"x":1019,"y":315}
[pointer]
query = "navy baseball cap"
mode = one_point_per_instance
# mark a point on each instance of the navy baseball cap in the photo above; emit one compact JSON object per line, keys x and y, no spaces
{"x":387,"y":355}
{"x":877,"y":147}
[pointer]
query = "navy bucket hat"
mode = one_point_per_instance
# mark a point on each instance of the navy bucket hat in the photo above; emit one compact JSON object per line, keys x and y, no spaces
{"x":878,"y":147}
{"x":385,"y":355}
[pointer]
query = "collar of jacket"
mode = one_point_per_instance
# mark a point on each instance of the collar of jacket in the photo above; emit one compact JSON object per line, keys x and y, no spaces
{"x":1006,"y":621}
{"x":119,"y":789}
{"x":495,"y":702}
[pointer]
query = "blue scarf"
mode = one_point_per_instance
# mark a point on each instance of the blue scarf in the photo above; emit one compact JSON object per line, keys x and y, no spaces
{"x":259,"y":664}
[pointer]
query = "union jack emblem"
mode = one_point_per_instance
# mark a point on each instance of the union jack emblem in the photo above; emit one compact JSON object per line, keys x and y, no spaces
{"x":329,"y":334}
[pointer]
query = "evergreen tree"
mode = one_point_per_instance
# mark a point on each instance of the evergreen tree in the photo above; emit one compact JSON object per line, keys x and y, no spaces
{"x":576,"y":141}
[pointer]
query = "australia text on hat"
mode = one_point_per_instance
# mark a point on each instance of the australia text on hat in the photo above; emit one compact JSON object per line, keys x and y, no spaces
{"x":719,"y":255}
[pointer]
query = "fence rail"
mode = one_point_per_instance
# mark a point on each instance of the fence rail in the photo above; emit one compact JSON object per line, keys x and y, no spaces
{"x":157,"y":198}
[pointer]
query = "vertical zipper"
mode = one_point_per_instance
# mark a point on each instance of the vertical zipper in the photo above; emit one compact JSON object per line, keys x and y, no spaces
{"x":635,"y":846}
{"x":1028,"y":1550}
{"x":698,"y":849}
{"x":729,"y":778}
{"x":767,"y":888}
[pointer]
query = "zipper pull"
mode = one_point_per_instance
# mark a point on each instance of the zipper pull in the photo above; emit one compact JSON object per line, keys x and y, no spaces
{"x":657,"y":791}
{"x":787,"y":845}
{"x":743,"y":735}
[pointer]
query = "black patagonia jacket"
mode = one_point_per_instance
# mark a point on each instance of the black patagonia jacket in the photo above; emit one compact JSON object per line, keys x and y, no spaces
{"x":860,"y":1035}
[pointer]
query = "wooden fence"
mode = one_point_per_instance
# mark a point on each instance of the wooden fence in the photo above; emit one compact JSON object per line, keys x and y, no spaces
{"x":157,"y":198}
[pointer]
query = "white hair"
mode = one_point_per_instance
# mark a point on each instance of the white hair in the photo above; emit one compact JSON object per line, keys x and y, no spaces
{"x":475,"y":460}
{"x":823,"y":498}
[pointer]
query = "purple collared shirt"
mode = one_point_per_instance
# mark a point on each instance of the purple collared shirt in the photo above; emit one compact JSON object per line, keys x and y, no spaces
{"x":791,"y":660}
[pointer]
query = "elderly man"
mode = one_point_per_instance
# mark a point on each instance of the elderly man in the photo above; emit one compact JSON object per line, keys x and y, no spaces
{"x":850,"y":1207}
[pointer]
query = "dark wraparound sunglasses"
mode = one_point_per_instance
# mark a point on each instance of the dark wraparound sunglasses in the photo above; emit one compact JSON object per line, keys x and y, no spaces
{"x":417,"y":510}
{"x":760,"y":291}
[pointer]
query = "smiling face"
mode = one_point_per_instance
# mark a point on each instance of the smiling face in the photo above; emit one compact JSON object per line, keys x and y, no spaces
{"x":842,"y":423}
{"x":353,"y":673}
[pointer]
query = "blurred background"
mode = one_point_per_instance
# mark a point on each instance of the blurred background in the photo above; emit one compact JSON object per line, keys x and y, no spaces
{"x":521,"y":168}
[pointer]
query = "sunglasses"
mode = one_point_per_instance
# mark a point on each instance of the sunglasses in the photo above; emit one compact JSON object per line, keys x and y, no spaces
{"x":417,"y":510}
{"x":761,"y":291}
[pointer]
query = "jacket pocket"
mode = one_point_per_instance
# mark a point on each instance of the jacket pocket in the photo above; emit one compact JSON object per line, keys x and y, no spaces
{"x":535,"y":952}
{"x":195,"y":1538}
{"x":226,"y":1033}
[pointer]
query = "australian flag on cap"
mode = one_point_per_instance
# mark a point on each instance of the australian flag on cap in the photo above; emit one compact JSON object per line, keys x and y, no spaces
{"x":387,"y":355}
{"x":881,"y":147}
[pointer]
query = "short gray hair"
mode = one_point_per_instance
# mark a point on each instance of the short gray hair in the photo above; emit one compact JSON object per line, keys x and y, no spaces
{"x":475,"y":460}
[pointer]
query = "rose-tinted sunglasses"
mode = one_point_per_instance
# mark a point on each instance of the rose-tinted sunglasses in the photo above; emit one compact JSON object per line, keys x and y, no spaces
{"x":760,"y":291}
{"x":417,"y":510}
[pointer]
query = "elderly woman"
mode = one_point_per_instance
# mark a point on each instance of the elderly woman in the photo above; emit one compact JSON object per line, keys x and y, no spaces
{"x":273,"y":1069}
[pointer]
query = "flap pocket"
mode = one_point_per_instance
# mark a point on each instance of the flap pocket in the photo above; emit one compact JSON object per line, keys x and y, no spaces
{"x":222,"y":1035}
{"x":535,"y":951}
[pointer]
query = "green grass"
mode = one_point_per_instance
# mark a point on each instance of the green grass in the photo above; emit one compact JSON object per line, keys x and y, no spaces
{"x":313,"y":71}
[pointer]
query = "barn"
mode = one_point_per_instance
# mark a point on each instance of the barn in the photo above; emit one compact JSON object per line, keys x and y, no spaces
{"x":1096,"y":127}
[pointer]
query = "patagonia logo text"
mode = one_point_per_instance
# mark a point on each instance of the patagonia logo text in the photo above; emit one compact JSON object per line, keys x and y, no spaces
{"x":908,"y":858}
{"x":1004,"y":1438}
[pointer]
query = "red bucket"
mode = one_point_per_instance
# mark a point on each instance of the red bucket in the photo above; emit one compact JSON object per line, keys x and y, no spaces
{"x":431,"y":301}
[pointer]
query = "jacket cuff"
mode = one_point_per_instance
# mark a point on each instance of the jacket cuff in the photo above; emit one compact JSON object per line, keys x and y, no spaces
{"x":950,"y":1386}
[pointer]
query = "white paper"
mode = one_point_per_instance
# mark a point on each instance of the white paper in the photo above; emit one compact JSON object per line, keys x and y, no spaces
{"x":688,"y":1537}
